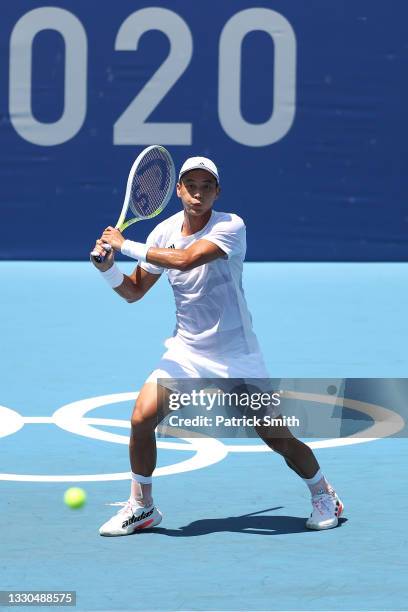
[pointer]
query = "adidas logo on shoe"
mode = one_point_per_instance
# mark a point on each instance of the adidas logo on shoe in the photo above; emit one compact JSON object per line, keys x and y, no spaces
{"x":136,"y":518}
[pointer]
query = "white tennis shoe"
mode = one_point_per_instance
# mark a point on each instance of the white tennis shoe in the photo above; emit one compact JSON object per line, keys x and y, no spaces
{"x":131,"y":518}
{"x":326,"y":511}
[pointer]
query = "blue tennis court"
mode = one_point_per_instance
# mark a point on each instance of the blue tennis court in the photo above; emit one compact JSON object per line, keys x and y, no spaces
{"x":289,"y":118}
{"x":233,"y":535}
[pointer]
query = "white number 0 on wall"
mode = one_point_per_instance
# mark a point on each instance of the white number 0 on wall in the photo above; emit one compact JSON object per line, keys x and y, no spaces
{"x":229,"y":83}
{"x":21,"y":46}
{"x":133,"y":127}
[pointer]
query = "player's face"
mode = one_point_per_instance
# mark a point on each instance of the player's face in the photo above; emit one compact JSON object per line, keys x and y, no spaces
{"x":197,"y":190}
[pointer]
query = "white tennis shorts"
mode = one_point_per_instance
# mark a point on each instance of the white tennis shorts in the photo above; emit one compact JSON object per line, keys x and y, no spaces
{"x":180,"y":362}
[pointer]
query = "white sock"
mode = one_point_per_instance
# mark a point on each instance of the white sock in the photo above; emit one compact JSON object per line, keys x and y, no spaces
{"x":141,"y":490}
{"x":318,"y":484}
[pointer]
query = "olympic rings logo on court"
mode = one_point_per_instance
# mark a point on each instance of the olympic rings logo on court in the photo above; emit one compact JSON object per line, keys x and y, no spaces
{"x":208,"y":451}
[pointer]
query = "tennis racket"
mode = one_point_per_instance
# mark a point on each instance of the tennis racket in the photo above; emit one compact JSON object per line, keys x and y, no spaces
{"x":150,"y":185}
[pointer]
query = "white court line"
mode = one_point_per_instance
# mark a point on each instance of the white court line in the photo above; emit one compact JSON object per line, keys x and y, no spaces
{"x":208,"y":451}
{"x":71,"y":417}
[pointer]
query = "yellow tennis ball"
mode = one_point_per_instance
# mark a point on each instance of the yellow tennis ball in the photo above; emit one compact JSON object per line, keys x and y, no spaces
{"x":74,"y":497}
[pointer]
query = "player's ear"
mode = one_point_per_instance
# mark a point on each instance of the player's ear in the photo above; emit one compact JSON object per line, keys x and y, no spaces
{"x":178,"y":190}
{"x":218,"y":191}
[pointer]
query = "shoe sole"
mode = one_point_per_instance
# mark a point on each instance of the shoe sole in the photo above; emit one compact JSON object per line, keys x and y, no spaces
{"x":146,"y":525}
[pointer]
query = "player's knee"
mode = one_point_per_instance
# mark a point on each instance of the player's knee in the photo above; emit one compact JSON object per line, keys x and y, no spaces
{"x":140,"y":422}
{"x":144,"y":416}
{"x":281,"y":446}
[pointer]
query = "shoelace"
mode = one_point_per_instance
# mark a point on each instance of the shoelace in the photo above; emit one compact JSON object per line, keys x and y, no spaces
{"x":126,"y":506}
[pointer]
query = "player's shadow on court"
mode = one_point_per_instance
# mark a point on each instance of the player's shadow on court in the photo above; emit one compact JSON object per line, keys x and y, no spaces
{"x":252,"y":524}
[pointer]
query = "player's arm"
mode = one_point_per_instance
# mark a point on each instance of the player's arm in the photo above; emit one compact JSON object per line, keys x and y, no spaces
{"x":201,"y":252}
{"x":136,"y":285}
{"x":131,"y":287}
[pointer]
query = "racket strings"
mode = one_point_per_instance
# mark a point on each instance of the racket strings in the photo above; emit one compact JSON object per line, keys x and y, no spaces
{"x":151,"y":184}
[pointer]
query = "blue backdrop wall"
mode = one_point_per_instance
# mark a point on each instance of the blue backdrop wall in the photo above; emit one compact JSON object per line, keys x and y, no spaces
{"x":301,"y":104}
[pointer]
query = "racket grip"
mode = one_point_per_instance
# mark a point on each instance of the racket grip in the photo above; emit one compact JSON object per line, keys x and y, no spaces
{"x":99,"y":258}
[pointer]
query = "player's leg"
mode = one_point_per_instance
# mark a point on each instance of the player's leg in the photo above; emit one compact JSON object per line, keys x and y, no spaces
{"x":142,"y":444}
{"x":151,"y":402}
{"x":327,"y":506}
{"x":139,"y":512}
{"x":297,"y":455}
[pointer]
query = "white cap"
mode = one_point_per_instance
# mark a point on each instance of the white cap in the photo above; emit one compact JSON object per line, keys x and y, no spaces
{"x":199,"y":163}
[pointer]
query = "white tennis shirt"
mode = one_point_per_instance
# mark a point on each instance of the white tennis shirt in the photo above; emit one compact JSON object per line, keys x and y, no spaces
{"x":211,"y":311}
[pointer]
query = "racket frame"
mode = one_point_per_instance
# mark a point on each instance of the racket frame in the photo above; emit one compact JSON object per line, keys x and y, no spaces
{"x":121,"y":224}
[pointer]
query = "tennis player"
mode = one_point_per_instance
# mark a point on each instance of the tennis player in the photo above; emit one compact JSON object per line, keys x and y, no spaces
{"x":202,"y":252}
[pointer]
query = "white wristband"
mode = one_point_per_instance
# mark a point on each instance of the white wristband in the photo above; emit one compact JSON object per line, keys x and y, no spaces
{"x":135,"y":250}
{"x":114,"y":277}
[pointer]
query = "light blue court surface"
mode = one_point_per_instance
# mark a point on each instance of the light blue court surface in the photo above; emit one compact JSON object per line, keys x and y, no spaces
{"x":233,"y":536}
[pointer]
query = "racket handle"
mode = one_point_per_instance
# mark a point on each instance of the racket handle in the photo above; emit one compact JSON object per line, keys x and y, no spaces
{"x":99,"y":258}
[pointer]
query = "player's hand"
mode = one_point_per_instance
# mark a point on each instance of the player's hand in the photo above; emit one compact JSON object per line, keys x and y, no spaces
{"x":109,"y":257}
{"x":113,"y":237}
